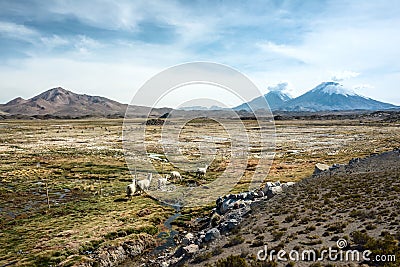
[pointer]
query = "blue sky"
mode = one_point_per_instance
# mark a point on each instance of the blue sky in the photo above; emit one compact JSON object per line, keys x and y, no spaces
{"x":111,"y":48}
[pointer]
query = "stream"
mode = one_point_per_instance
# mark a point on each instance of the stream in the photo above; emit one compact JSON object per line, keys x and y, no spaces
{"x":167,"y":238}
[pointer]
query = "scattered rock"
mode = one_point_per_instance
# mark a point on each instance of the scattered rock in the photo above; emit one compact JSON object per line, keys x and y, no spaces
{"x":275,"y":190}
{"x":191,"y":249}
{"x":187,"y":239}
{"x":232,"y":223}
{"x":354,"y":161}
{"x":320,"y":167}
{"x":226,"y":205}
{"x":212,"y":234}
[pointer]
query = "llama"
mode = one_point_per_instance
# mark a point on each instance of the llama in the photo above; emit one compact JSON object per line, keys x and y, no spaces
{"x":162,"y":182}
{"x":131,"y":189}
{"x":145,"y":184}
{"x":176,"y":175}
{"x":202,"y":171}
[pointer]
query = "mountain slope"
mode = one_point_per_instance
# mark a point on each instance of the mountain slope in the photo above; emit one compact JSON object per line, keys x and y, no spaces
{"x":333,"y":96}
{"x":354,"y":202}
{"x":275,"y":99}
{"x":61,"y":102}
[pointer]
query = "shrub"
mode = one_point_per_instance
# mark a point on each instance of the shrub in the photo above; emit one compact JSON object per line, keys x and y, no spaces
{"x":290,"y":218}
{"x":232,"y":261}
{"x":236,"y":240}
{"x":217,"y":250}
{"x":337,"y":227}
{"x":277,"y":235}
{"x":202,"y":257}
{"x":311,"y":228}
{"x":370,"y":226}
{"x":263,"y":264}
{"x":257,"y":243}
{"x":215,"y":219}
{"x":387,"y":245}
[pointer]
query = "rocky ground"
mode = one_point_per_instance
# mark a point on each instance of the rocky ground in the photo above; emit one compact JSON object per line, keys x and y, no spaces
{"x":356,"y":204}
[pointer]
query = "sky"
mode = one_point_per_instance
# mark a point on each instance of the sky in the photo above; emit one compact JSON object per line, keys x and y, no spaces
{"x":111,"y":48}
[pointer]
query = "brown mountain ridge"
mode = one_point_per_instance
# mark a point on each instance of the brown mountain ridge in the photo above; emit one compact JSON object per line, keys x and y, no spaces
{"x":61,"y":102}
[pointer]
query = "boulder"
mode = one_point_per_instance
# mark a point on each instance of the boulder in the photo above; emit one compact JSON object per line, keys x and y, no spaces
{"x":219,"y":201}
{"x":320,"y":167}
{"x":226,"y":205}
{"x":354,"y":161}
{"x":251,"y":196}
{"x":212,"y":234}
{"x":179,"y":252}
{"x":191,"y":249}
{"x":259,"y":193}
{"x":187,"y":239}
{"x":337,"y":167}
{"x":290,"y":183}
{"x":231,"y":224}
{"x":274,"y":191}
{"x":242,"y":195}
{"x":269,"y":184}
{"x":287,"y":185}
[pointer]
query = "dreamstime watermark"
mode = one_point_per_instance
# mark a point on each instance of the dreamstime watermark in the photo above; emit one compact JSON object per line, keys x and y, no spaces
{"x":330,"y":254}
{"x":168,"y":143}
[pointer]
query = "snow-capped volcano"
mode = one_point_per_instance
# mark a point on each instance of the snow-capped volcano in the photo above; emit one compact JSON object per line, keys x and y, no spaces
{"x":275,"y":99}
{"x":333,"y":88}
{"x":333,"y":96}
{"x":327,"y":96}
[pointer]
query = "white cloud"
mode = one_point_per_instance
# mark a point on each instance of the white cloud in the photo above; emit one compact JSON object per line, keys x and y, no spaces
{"x":54,"y":41}
{"x":343,"y":75}
{"x":354,"y":38}
{"x":285,"y":50}
{"x":17,"y":31}
{"x":120,"y":15}
{"x":84,"y":45}
{"x":279,"y":87}
{"x":362,"y":37}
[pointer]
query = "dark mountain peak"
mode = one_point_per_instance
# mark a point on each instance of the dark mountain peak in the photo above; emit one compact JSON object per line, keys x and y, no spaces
{"x":54,"y":94}
{"x":279,"y":94}
{"x":275,"y":99}
{"x":61,"y":102}
{"x":57,"y":90}
{"x":15,"y":101}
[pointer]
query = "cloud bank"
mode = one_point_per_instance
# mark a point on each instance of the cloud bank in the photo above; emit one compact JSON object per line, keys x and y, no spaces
{"x":110,"y":48}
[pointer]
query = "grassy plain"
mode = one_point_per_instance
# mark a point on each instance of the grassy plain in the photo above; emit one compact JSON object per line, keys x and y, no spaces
{"x":81,"y":163}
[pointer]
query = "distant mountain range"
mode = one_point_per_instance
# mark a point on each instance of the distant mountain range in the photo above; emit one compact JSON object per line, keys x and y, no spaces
{"x":59,"y":102}
{"x":327,"y":96}
{"x":202,"y":108}
{"x":275,"y":99}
